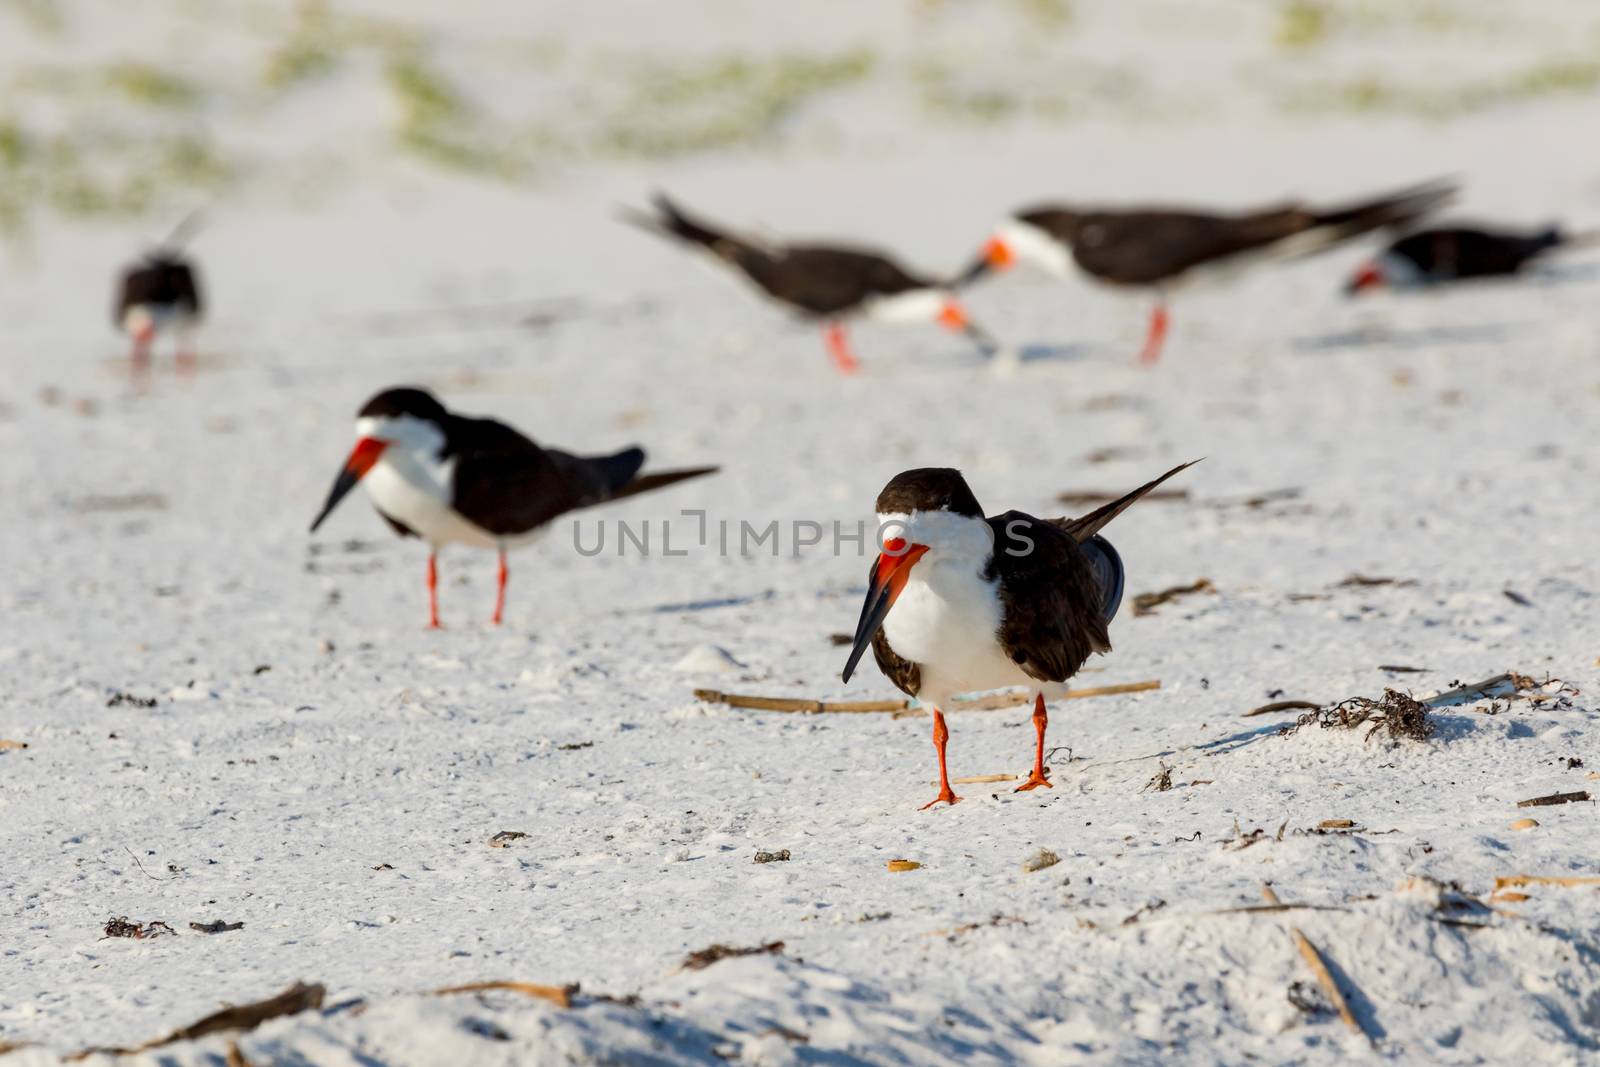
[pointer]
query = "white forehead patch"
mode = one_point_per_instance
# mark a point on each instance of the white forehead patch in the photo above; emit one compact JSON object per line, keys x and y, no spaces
{"x":407,"y":431}
{"x":942,"y":531}
{"x":1034,"y":246}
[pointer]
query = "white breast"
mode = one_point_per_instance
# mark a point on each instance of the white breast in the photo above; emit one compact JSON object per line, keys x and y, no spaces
{"x":416,"y":493}
{"x":947,"y":620}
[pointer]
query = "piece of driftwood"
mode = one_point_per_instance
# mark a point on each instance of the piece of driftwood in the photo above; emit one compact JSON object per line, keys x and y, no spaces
{"x":560,"y":996}
{"x":1512,"y":881}
{"x":1501,"y":685}
{"x":1282,"y":705}
{"x":1554,"y":799}
{"x":1146,"y":603}
{"x":988,"y":702}
{"x":1319,"y":968}
{"x":981,"y":779}
{"x":699,"y":961}
{"x":241,"y":1017}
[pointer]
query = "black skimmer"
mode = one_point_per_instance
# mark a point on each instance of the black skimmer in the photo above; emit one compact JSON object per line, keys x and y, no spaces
{"x":160,"y":292}
{"x":958,"y":603}
{"x":1161,"y":249}
{"x":452,"y":479}
{"x":830,"y":283}
{"x":1447,"y":254}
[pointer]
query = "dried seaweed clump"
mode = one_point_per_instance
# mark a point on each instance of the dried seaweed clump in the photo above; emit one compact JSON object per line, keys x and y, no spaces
{"x":1404,"y":716}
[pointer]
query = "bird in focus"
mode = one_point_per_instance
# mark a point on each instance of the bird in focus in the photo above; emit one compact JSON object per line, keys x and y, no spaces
{"x":958,"y":603}
{"x":454,"y":479}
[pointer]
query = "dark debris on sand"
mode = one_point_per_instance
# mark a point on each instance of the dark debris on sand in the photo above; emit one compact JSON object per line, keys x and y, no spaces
{"x":1401,"y":714}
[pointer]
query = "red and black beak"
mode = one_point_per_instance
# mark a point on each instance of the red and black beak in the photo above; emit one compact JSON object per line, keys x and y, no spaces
{"x":1369,"y":276}
{"x":952,"y":316}
{"x":362,"y":457}
{"x":888,"y":577}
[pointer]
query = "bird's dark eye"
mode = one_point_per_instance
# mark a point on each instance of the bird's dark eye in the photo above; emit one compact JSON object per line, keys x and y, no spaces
{"x":1019,"y":657}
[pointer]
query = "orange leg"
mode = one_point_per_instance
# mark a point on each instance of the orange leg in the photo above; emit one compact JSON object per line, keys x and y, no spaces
{"x":838,"y":343}
{"x":140,"y":356}
{"x":500,"y":591}
{"x":433,"y":590}
{"x":1039,"y":776}
{"x":1156,"y":338}
{"x":941,"y":737}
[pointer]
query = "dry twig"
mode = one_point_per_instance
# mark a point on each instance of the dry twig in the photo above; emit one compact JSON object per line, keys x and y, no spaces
{"x":1281,"y":705}
{"x":560,"y":996}
{"x":297,"y":998}
{"x":1554,"y":799}
{"x":1319,"y":968}
{"x":1146,"y":603}
{"x":989,"y":702}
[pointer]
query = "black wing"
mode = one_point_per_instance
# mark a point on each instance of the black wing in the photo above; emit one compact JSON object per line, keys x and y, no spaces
{"x":1052,"y":597}
{"x":1150,"y":246}
{"x":506,"y":484}
{"x":827,"y":280}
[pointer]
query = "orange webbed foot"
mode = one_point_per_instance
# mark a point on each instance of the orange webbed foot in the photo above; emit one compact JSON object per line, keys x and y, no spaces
{"x":1035,"y":780}
{"x":945,"y":795}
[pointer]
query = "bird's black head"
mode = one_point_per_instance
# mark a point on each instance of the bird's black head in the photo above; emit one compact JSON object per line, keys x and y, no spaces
{"x":405,"y":400}
{"x":928,"y":489}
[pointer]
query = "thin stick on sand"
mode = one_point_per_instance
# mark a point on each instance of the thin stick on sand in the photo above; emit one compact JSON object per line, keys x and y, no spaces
{"x":560,"y":996}
{"x":1569,"y":881}
{"x":1319,"y":968}
{"x":990,"y":702}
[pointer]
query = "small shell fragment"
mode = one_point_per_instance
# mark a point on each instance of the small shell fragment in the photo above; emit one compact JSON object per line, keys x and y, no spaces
{"x":1525,"y":824}
{"x":1335,"y":824}
{"x":1040,"y":860}
{"x":896,"y":866}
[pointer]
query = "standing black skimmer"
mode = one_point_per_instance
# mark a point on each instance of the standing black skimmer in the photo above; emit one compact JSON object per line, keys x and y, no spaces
{"x":1448,"y":254}
{"x":160,"y":292}
{"x":448,"y":478}
{"x":958,"y":603}
{"x":1161,"y":249}
{"x":830,"y":283}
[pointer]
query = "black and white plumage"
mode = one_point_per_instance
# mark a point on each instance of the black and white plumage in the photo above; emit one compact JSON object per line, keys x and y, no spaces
{"x":828,"y":283}
{"x":453,"y":479}
{"x":1160,"y":249}
{"x":958,"y":602}
{"x":161,"y":292}
{"x":1444,"y":254}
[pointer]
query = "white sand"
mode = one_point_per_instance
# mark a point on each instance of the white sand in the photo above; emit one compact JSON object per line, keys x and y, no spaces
{"x":1449,"y":440}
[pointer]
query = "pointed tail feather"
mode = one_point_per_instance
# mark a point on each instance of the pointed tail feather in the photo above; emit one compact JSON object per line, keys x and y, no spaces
{"x":670,"y":221}
{"x":1088,"y":525}
{"x":661,"y":479}
{"x":1397,"y":209}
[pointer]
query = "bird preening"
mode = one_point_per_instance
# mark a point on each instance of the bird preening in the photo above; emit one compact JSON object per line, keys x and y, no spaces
{"x":454,"y":479}
{"x":1159,"y":250}
{"x":830,"y":284}
{"x":958,"y":603}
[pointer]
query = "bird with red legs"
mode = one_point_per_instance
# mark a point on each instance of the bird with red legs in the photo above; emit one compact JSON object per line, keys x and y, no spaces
{"x":958,"y":603}
{"x":453,"y":479}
